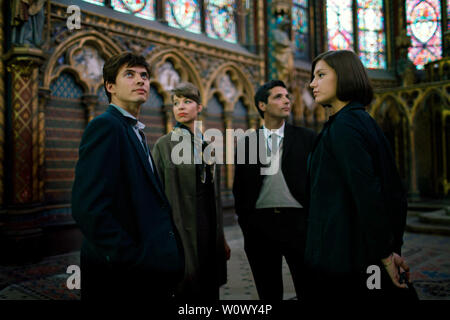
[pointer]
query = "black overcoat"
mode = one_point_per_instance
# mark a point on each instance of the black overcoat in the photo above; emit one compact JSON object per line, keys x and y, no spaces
{"x":130,"y":247}
{"x":357,"y":208}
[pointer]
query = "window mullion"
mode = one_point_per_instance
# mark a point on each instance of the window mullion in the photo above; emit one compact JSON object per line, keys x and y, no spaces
{"x":355,"y":27}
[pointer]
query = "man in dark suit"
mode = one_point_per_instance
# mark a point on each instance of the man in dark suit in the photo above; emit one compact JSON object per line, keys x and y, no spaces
{"x":270,"y":202}
{"x":130,"y":249}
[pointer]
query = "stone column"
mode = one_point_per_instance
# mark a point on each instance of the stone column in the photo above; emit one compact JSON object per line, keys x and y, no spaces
{"x":168,"y":117}
{"x":253,"y":121}
{"x":44,"y":97}
{"x":23,"y":65}
{"x":22,"y":229}
{"x":228,"y":121}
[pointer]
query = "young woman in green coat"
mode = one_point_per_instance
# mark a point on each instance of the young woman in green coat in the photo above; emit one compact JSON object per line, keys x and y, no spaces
{"x":193,"y":190}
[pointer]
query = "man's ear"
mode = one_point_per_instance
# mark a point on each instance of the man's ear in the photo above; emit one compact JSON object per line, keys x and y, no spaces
{"x":262,"y":106}
{"x":110,"y":87}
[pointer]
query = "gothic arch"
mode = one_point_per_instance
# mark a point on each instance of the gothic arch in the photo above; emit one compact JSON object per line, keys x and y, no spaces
{"x":393,"y":118}
{"x":103,"y":45}
{"x":243,"y":85}
{"x":375,"y":111}
{"x":428,"y":127}
{"x":419,"y":104}
{"x":182,"y":64}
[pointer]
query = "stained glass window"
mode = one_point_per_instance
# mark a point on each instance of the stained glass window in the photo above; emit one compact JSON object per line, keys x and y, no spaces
{"x":371,"y":35}
{"x":371,"y":41}
{"x":183,"y":14}
{"x":340,"y":24}
{"x":220,"y":22}
{"x":423,"y":19}
{"x":140,"y":8}
{"x":97,"y":2}
{"x":300,"y":27}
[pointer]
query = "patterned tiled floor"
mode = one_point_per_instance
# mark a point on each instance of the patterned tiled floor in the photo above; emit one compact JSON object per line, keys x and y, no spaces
{"x":427,"y":255}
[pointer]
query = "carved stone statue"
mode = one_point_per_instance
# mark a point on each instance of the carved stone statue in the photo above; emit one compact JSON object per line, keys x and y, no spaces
{"x":27,"y":20}
{"x":283,"y":52}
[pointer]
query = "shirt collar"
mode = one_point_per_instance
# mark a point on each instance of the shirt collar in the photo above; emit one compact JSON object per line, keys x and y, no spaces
{"x":279,"y":132}
{"x":138,"y":125}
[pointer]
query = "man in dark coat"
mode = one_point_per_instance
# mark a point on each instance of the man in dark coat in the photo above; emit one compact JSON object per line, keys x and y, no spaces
{"x":270,"y":202}
{"x":130,"y":248}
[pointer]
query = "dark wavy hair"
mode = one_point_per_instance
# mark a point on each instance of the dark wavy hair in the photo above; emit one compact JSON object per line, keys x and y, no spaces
{"x":263,"y":93}
{"x":353,"y":83}
{"x":112,"y":66}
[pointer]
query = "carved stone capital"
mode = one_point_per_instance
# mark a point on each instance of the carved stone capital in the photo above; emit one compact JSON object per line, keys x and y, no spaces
{"x":24,"y":60}
{"x":281,"y":7}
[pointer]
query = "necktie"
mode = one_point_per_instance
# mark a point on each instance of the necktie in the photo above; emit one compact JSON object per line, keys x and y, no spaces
{"x":145,"y":146}
{"x":273,"y":143}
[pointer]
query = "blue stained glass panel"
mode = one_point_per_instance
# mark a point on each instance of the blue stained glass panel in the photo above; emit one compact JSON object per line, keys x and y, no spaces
{"x":371,"y":35}
{"x":303,"y":3}
{"x":220,"y":20}
{"x":300,"y":26}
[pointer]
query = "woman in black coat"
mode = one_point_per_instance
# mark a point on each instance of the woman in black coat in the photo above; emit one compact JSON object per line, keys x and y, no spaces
{"x":357,"y":207}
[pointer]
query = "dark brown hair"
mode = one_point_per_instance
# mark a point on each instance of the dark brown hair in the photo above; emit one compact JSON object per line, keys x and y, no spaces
{"x":113,"y":64}
{"x":187,"y":90}
{"x":263,"y":93}
{"x":353,"y":83}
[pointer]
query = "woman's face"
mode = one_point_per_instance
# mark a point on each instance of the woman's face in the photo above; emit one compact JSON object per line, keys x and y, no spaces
{"x":324,"y":84}
{"x":185,"y":109}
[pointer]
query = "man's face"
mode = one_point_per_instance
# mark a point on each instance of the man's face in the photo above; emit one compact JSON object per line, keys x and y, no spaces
{"x":278,"y":104}
{"x":132,"y":86}
{"x":185,"y":110}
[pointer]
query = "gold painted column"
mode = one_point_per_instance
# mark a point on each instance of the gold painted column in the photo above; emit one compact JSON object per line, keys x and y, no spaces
{"x":23,"y":65}
{"x":253,"y":120}
{"x":44,"y":97}
{"x":90,"y":103}
{"x":168,"y":117}
{"x":228,"y":121}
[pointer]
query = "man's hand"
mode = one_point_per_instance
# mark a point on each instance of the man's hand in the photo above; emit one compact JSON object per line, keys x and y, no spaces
{"x":395,"y":265}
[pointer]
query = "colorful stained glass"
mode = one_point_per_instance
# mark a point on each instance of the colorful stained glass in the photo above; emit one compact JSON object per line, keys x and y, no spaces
{"x":220,"y":22}
{"x":97,"y":2}
{"x":371,"y":35}
{"x":140,"y":8}
{"x":423,"y":19}
{"x":183,"y":14}
{"x":303,"y":3}
{"x":300,"y":26}
{"x":340,"y":24}
{"x":448,"y":14}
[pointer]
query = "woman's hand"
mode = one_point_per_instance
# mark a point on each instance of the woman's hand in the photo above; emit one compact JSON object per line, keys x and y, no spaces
{"x":227,"y":249}
{"x":395,"y":265}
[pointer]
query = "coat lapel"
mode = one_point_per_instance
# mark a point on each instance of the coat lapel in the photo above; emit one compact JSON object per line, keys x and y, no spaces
{"x":144,"y":159}
{"x":140,"y":150}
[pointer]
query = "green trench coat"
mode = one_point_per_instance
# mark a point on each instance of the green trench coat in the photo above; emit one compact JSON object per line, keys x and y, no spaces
{"x":180,"y":187}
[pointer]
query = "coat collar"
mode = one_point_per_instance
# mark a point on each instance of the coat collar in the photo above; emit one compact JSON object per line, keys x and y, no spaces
{"x":353,"y":105}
